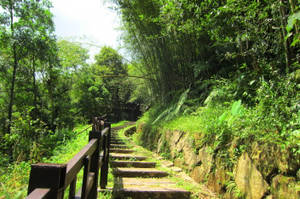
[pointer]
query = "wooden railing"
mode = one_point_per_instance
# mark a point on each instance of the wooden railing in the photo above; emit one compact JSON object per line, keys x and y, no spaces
{"x":50,"y":181}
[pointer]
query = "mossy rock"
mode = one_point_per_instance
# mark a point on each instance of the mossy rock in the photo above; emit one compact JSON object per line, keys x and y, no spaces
{"x":271,"y":159}
{"x":284,"y":187}
{"x":248,"y":179}
{"x":199,"y":137}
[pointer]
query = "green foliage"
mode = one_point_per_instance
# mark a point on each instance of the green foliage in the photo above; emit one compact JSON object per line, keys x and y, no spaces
{"x":111,"y":61}
{"x":30,"y":139}
{"x":25,"y":137}
{"x":105,"y":194}
{"x":274,"y":119}
{"x":121,"y":123}
{"x":173,"y":110}
{"x":47,"y":86}
{"x":139,"y":80}
{"x":34,"y":88}
{"x":14,"y":178}
{"x":70,"y":147}
{"x":278,"y":98}
{"x":293,"y":21}
{"x":181,"y":44}
{"x":103,"y":87}
{"x":56,"y":90}
{"x":13,"y":184}
{"x":229,"y":117}
{"x":71,"y":55}
{"x":231,"y":188}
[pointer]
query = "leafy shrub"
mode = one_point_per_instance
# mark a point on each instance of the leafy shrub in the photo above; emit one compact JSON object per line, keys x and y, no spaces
{"x":14,"y":177}
{"x":172,"y":110}
{"x":273,"y":118}
{"x":13,"y":183}
{"x":31,"y":139}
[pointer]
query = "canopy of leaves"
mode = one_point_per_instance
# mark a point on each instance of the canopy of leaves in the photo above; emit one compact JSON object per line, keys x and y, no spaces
{"x":71,"y":55}
{"x":182,"y":44}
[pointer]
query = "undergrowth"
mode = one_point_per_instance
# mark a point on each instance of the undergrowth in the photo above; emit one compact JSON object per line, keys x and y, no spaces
{"x":274,"y":118}
{"x":14,"y":178}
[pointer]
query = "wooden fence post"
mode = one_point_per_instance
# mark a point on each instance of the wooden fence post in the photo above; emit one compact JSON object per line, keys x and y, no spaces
{"x":106,"y":146}
{"x":94,"y":167}
{"x":48,"y":176}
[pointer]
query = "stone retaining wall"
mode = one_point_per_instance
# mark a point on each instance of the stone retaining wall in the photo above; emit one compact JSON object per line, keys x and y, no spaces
{"x":266,"y":171}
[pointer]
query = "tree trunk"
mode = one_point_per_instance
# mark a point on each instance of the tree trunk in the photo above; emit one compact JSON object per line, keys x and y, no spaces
{"x":35,"y":94}
{"x":12,"y":90}
{"x":283,"y":32}
{"x":15,"y":67}
{"x":51,"y":95}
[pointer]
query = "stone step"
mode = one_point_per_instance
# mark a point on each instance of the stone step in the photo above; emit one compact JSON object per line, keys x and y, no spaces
{"x":139,"y":172}
{"x":116,"y":139}
{"x":115,"y":136}
{"x":120,"y":156}
{"x":141,"y":188}
{"x":117,"y":143}
{"x":135,"y":164}
{"x":115,"y":150}
{"x":119,"y":146}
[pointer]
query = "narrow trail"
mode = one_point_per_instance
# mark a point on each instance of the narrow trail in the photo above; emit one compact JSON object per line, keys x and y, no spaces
{"x":137,"y":177}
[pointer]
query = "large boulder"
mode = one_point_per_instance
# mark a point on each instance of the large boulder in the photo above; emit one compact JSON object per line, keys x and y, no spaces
{"x":205,"y":162}
{"x":181,"y":145}
{"x":174,"y":138}
{"x":205,"y":156}
{"x":218,"y":179}
{"x":189,"y":154}
{"x":281,"y":160}
{"x":248,"y":179}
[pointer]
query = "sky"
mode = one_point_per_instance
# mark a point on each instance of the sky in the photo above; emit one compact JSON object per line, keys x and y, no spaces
{"x":87,"y":21}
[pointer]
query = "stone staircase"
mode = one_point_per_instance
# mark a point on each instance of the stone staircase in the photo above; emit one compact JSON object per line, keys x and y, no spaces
{"x":137,"y":178}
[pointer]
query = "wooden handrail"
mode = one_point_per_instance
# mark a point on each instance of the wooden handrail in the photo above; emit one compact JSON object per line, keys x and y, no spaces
{"x":38,"y":193}
{"x":104,"y":131}
{"x":51,"y":180}
{"x":76,"y":163}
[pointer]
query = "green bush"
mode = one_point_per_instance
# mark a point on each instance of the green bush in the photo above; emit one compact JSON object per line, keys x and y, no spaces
{"x":14,"y":177}
{"x":272,"y":116}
